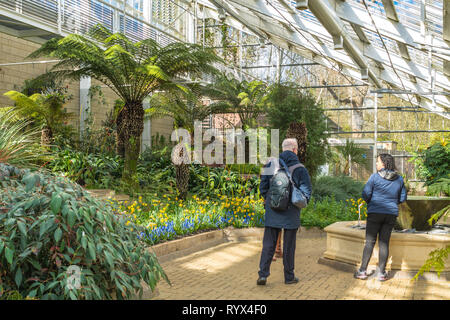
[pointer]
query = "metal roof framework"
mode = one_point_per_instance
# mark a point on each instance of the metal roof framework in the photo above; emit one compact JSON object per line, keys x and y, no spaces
{"x":403,"y":44}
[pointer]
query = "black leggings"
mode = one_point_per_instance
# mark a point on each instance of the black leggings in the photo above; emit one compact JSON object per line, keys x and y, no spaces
{"x":381,"y":225}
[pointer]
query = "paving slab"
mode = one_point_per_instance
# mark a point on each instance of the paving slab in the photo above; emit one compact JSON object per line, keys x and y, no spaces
{"x":228,"y":271}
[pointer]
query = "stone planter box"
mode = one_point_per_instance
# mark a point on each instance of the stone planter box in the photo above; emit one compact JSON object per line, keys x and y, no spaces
{"x":407,"y":251}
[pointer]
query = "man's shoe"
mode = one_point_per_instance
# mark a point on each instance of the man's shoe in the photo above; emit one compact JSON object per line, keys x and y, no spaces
{"x":261,"y":281}
{"x":295,"y":280}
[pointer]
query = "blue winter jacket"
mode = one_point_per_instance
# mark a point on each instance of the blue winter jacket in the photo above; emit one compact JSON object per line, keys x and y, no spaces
{"x":383,"y":192}
{"x":289,"y":219}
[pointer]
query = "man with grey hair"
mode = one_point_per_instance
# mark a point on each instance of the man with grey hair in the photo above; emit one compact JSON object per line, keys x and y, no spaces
{"x":288,"y":219}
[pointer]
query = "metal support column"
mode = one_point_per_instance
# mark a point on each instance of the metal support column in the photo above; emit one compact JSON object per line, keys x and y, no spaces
{"x":375,"y":134}
{"x":85,"y":102}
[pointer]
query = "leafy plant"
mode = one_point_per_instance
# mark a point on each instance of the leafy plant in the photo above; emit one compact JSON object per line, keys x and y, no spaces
{"x":93,"y":170}
{"x":432,"y":163}
{"x":46,"y":109}
{"x":48,"y":224}
{"x":325,"y":212}
{"x":133,"y":70}
{"x":436,"y":258}
{"x":18,"y":144}
{"x":349,"y":153}
{"x":341,"y":188}
{"x":247,"y":99}
{"x":286,"y":105}
{"x":440,"y":187}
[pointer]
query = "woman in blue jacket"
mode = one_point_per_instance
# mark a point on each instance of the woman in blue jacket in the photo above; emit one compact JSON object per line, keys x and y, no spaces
{"x":383,"y":192}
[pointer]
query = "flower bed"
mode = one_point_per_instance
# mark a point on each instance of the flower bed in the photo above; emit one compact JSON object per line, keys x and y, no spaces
{"x":171,"y":218}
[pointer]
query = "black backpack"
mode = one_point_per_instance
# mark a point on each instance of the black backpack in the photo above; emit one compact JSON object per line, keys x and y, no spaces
{"x":279,"y":193}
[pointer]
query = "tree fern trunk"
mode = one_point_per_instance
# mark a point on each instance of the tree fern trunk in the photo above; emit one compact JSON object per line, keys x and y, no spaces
{"x":180,"y":160}
{"x":299,"y":131}
{"x":120,"y":138}
{"x":132,"y":127}
{"x":46,"y":137}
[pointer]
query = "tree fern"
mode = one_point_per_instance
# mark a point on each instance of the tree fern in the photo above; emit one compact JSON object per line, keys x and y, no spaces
{"x":133,"y":70}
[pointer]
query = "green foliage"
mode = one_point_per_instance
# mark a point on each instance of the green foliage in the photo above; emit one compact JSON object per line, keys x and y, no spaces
{"x":18,"y":144}
{"x":436,"y":162}
{"x":351,"y":151}
{"x":436,"y":260}
{"x":48,"y":224}
{"x":94,"y":170}
{"x":436,"y":216}
{"x":325,"y":212}
{"x":184,"y":107}
{"x":11,"y":295}
{"x":341,"y":188}
{"x":215,"y":182}
{"x":440,"y":187}
{"x":46,"y":109}
{"x":432,"y":164}
{"x":247,"y":99}
{"x":132,"y":70}
{"x":287,"y":105}
{"x":245,"y":168}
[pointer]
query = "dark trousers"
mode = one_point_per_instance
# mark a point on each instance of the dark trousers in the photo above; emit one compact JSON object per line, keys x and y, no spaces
{"x":381,"y":225}
{"x":268,"y":250}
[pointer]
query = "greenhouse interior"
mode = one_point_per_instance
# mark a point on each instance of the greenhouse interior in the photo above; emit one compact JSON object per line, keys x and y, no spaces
{"x":135,"y":134}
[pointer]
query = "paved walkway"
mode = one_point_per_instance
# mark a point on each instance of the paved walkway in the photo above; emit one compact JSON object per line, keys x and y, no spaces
{"x":229,"y":271}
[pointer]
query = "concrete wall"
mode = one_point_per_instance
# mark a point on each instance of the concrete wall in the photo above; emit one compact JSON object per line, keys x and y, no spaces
{"x":13,"y":49}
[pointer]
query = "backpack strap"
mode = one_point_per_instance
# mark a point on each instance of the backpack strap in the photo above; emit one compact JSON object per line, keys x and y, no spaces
{"x":295,"y":166}
{"x":292,"y":168}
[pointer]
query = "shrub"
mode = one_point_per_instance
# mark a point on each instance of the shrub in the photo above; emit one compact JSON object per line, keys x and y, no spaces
{"x":215,"y":182}
{"x":48,"y":224}
{"x":341,"y":188}
{"x":325,"y":212}
{"x":432,"y":164}
{"x":287,"y":105}
{"x":18,"y":145}
{"x":90,"y":169}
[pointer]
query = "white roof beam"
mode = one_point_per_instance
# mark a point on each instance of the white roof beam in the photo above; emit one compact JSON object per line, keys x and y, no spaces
{"x":446,"y":33}
{"x":262,"y":8}
{"x":389,"y":8}
{"x":388,"y":28}
{"x":360,"y":33}
{"x":313,"y":50}
{"x":369,"y":51}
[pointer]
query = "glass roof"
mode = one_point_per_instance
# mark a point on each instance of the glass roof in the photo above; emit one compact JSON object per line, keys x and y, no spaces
{"x":387,"y":46}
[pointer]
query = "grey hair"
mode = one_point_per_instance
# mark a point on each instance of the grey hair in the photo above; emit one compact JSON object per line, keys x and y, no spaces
{"x":289,"y":144}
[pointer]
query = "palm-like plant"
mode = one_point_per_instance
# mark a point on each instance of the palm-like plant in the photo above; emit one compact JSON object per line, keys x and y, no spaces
{"x":46,"y":109}
{"x":133,"y":70}
{"x":185,"y":109}
{"x":247,"y":99}
{"x":350,"y":152}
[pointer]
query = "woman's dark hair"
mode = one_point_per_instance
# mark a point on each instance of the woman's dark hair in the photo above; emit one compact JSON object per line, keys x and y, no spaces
{"x":388,"y":161}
